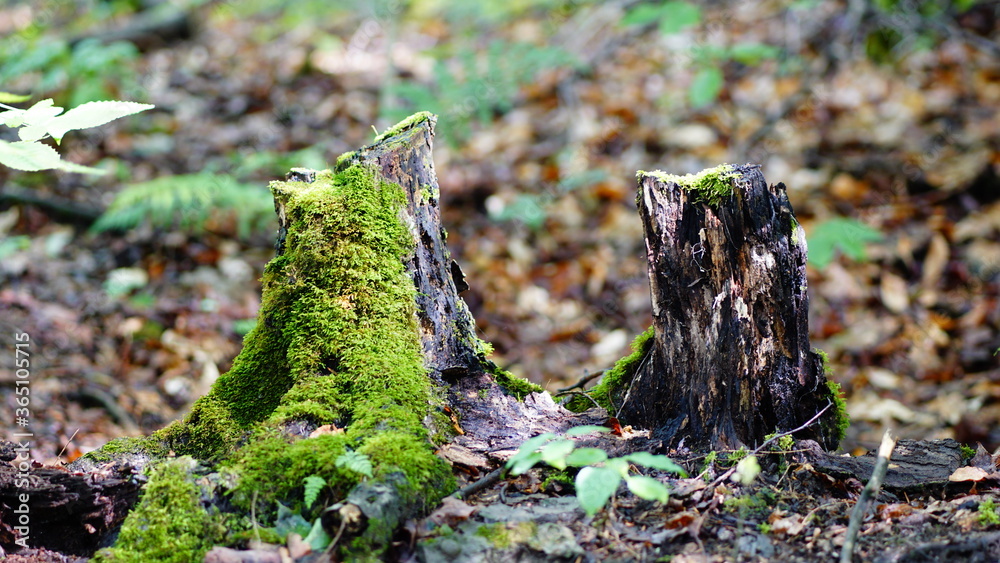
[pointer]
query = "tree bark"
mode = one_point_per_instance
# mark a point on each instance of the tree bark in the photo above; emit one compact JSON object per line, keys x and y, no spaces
{"x":730,"y":360}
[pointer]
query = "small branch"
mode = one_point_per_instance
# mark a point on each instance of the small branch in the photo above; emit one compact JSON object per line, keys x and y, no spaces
{"x":768,"y":442}
{"x":483,"y":482}
{"x":870,"y":492}
{"x":583,"y":381}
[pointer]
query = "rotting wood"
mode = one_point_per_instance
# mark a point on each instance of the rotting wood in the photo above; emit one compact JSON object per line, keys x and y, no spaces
{"x":730,"y":360}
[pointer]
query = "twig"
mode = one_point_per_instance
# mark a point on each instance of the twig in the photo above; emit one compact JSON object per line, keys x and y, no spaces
{"x":583,"y":381}
{"x":582,"y":393}
{"x":867,"y":494}
{"x":726,"y":475}
{"x":480,"y":484}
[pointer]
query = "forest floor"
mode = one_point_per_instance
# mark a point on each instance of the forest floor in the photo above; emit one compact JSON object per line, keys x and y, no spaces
{"x":537,"y":195}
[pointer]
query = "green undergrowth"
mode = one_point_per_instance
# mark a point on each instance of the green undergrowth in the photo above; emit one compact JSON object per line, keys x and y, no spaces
{"x":841,"y":420}
{"x":617,"y":377}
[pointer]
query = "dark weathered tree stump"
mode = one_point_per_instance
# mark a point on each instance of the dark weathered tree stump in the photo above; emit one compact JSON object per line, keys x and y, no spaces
{"x":729,"y":361}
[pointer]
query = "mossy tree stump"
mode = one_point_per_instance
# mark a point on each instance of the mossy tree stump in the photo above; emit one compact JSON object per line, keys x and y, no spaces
{"x":728,"y":360}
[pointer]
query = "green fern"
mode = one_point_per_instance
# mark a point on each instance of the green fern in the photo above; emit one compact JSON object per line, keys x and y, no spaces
{"x":356,"y":462}
{"x":187,"y":202}
{"x":313,"y":487}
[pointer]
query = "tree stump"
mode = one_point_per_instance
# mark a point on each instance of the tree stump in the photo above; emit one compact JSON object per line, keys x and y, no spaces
{"x":729,"y":358}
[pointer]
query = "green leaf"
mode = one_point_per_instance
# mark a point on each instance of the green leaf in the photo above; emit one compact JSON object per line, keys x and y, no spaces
{"x":643,"y":14}
{"x":746,"y":470}
{"x":752,"y":54}
{"x":524,"y":463}
{"x":647,"y":488}
{"x":554,"y":453}
{"x":846,"y":235}
{"x":33,"y":156}
{"x":313,"y":487}
{"x":317,"y":539}
{"x":92,"y":114}
{"x":8,"y":98}
{"x":527,"y":456}
{"x":705,"y":87}
{"x":676,"y":16}
{"x":586,"y":429}
{"x":586,"y":456}
{"x":41,"y":112}
{"x":595,"y":486}
{"x":660,"y":462}
{"x":289,"y":522}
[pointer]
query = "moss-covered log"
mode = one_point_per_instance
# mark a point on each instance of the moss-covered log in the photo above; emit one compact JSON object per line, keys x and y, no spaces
{"x":728,"y":360}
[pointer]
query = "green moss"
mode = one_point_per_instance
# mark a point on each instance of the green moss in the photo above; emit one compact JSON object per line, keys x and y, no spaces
{"x":617,"y":377}
{"x":967,"y":452}
{"x":516,"y":386}
{"x":988,"y":513}
{"x":405,"y":124}
{"x":842,"y":420}
{"x":710,"y":186}
{"x":503,"y":535}
{"x":169,"y":524}
{"x":208,"y":432}
{"x":338,"y":344}
{"x":142,"y":446}
{"x":344,"y":159}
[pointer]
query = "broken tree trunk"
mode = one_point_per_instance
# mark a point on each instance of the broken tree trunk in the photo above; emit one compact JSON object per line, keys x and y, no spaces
{"x":729,"y":360}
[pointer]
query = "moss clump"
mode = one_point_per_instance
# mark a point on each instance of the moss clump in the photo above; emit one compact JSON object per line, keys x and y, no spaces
{"x":169,"y":524}
{"x":208,"y":432}
{"x":115,"y":449}
{"x":404,"y":124}
{"x":967,"y":452}
{"x":516,"y":386}
{"x":710,"y":186}
{"x":503,"y":535}
{"x":617,"y":377}
{"x":841,"y":418}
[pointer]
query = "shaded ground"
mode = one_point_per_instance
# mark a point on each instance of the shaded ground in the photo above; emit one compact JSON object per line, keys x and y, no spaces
{"x":537,"y":199}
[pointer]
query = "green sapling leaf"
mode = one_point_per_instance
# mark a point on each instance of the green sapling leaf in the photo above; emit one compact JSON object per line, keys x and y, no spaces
{"x":554,"y":453}
{"x":8,"y":98}
{"x":647,"y":488}
{"x":660,"y":462}
{"x":317,"y":539}
{"x":581,"y":457}
{"x":92,"y":114}
{"x":595,"y":486}
{"x":527,"y":456}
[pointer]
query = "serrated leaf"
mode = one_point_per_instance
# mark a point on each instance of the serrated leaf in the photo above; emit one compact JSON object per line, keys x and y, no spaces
{"x":34,"y":156}
{"x":8,"y":98}
{"x":586,"y":429}
{"x":647,"y":488}
{"x":355,"y":461}
{"x":555,"y":453}
{"x":660,"y":462}
{"x":317,"y":539}
{"x":595,"y":486}
{"x":92,"y":114}
{"x":586,"y":456}
{"x":313,"y":485}
{"x":705,"y":87}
